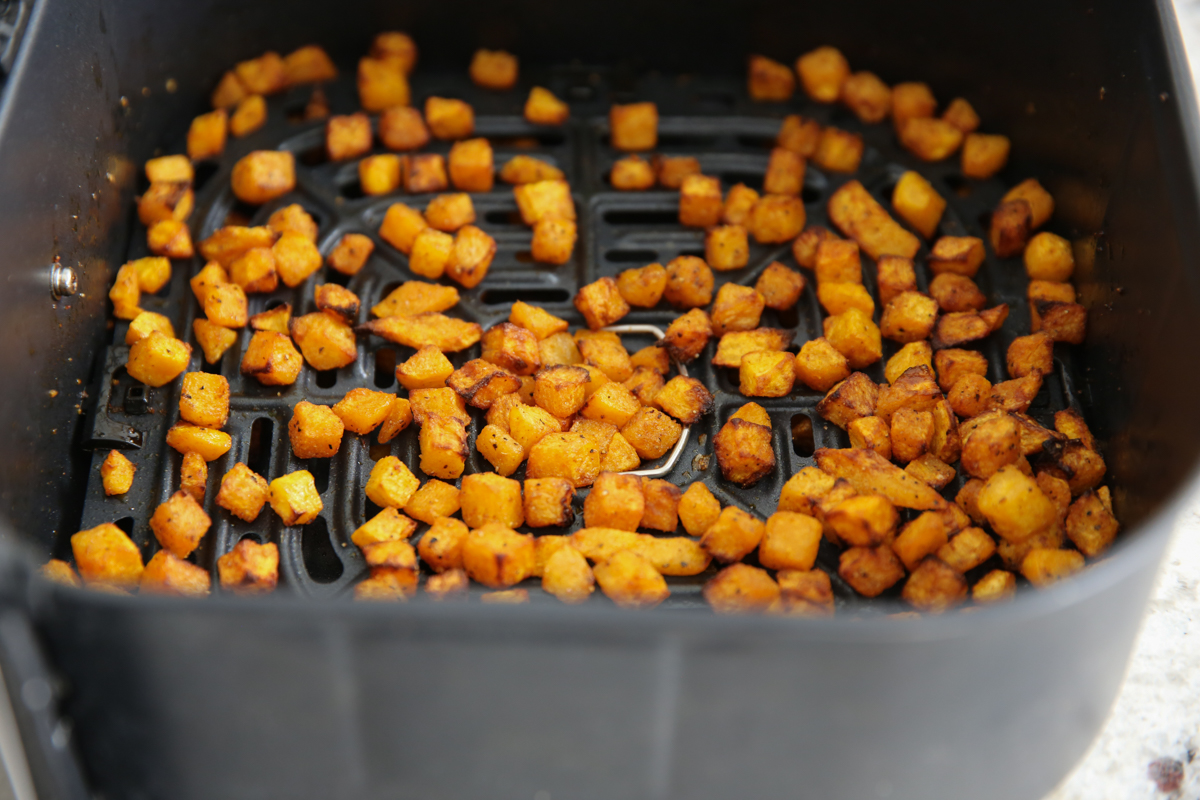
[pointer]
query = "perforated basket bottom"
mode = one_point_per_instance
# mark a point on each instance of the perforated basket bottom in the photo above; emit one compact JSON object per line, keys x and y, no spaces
{"x":711,"y":119}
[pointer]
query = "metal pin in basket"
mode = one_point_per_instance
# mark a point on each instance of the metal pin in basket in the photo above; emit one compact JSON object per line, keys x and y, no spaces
{"x":677,"y":451}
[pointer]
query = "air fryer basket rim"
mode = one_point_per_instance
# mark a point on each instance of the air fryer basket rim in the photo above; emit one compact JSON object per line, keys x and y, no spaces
{"x":1133,"y":551}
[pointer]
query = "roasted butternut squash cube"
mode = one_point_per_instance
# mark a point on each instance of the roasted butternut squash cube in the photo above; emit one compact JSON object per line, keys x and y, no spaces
{"x":911,"y":434}
{"x":263,"y":175}
{"x":661,"y":505}
{"x":839,"y":150}
{"x":726,"y":247}
{"x":548,"y":502}
{"x":953,"y":364}
{"x":325,"y":342}
{"x":1015,"y":505}
{"x":296,"y":257}
{"x":206,"y":136}
{"x":1041,"y":292}
{"x":104,"y":555}
{"x":700,"y":203}
{"x":632,"y":174}
{"x":1041,"y":204}
{"x":960,"y":255}
{"x":147,"y":322}
{"x":225,"y":305}
{"x":491,"y":499}
{"x":615,"y":501}
{"x":449,"y":212}
{"x":381,"y":85}
{"x":997,"y":586}
{"x":1044,"y":566}
{"x":930,"y":138}
{"x":742,"y":589}
{"x":785,"y":173}
{"x":779,"y":286}
{"x":777,"y":219}
{"x":543,"y":108}
{"x":116,"y":473}
{"x":166,"y":201}
{"x":277,"y":319}
{"x":867,"y":96}
{"x":737,"y":308}
{"x":441,"y":402}
{"x":167,"y":575}
{"x":157,"y":360}
{"x":402,"y":128}
{"x":630,"y":581}
{"x":388,"y":525}
{"x":347,"y":136}
{"x":689,"y":282}
{"x":871,"y":433}
{"x":559,"y":348}
{"x":179,"y":524}
{"x":528,"y":424}
{"x":967,"y":549}
{"x":611,"y":403}
{"x":856,"y":337}
{"x":380,"y":174}
{"x":397,"y":48}
{"x":512,"y":348}
{"x":918,"y":203}
{"x":698,"y":509}
{"x":984,"y":155}
{"x":1063,"y":322}
{"x":870,"y":571}
{"x":567,"y":576}
{"x":687,"y":336}
{"x":432,"y":250}
{"x":426,"y":173}
{"x":449,"y":118}
{"x":560,"y":390}
{"x":364,"y":410}
{"x":254,"y":271}
{"x":1090,"y":524}
{"x":733,"y":535}
{"x":735,"y":345}
{"x":856,"y":396}
{"x":970,"y":395}
{"x":337,"y":301}
{"x":170,"y":238}
{"x":768,"y":80}
{"x":651,"y":433}
{"x":858,"y":215}
{"x":911,"y":101}
{"x":820,"y":366}
{"x":753,"y":412}
{"x":400,"y":227}
{"x":956,"y":293}
{"x":837,"y":298}
{"x":249,"y":568}
{"x":387,"y":585}
{"x":861,"y":521}
{"x":493,"y":69}
{"x":768,"y":373}
{"x":633,"y":126}
{"x":913,"y":354}
{"x":553,"y":241}
{"x":934,"y":587}
{"x":739,"y":202}
{"x":799,"y":134}
{"x":961,"y":115}
{"x":272,"y":359}
{"x":204,"y":399}
{"x":443,"y":445}
{"x":471,"y":165}
{"x":804,"y":489}
{"x":790,"y":541}
{"x":823,"y":71}
{"x":230,"y":243}
{"x":1010,"y":227}
{"x":480,"y":383}
{"x":308,"y":64}
{"x":432,"y":501}
{"x":1030,"y":354}
{"x":229,"y":91}
{"x":744,"y":451}
{"x":1048,"y":257}
{"x":909,"y":317}
{"x":473,"y":254}
{"x":620,"y":456}
{"x":243,"y":492}
{"x":549,"y":199}
{"x":671,"y":170}
{"x":497,"y":556}
{"x":837,"y":261}
{"x":441,"y":546}
{"x":1072,"y":425}
{"x":572,"y":456}
{"x":266,"y":74}
{"x":685,"y":399}
{"x":315,"y":431}
{"x":170,"y":169}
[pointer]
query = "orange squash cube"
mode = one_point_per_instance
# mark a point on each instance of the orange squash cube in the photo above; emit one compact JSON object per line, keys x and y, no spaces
{"x":823,"y":71}
{"x":984,"y":155}
{"x":543,"y":108}
{"x":768,"y":80}
{"x":315,"y":431}
{"x":449,"y":118}
{"x":325,"y":342}
{"x":739,"y":203}
{"x":295,"y":499}
{"x":381,"y":85}
{"x":348,"y":136}
{"x":249,"y":568}
{"x":157,"y":360}
{"x":104,"y":555}
{"x":425,"y":173}
{"x":867,"y":96}
{"x":493,"y":69}
{"x":179,"y":524}
{"x":726,"y":247}
{"x":634,"y":126}
{"x":206,"y":136}
{"x":243,"y":492}
{"x":839,"y":150}
{"x":402,"y":128}
{"x":272,"y":359}
{"x":498,"y":556}
{"x":471,"y":167}
{"x":799,"y":134}
{"x":700,"y":203}
{"x":918,"y":203}
{"x":819,"y":365}
{"x":263,"y":175}
{"x":777,"y":219}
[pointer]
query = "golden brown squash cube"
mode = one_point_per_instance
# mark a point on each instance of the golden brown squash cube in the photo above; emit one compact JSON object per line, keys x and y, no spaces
{"x":856,"y":337}
{"x":249,"y":568}
{"x":229,"y":91}
{"x":538,"y":321}
{"x":295,"y":258}
{"x":471,"y":166}
{"x":1044,"y":566}
{"x":167,"y":575}
{"x":960,"y":255}
{"x":650,"y":432}
{"x":632,"y":174}
{"x":1015,"y":505}
{"x":737,"y":308}
{"x":739,"y":203}
{"x":922,"y":537}
{"x":553,"y":241}
{"x":402,"y":128}
{"x":493,"y":69}
{"x":315,"y":431}
{"x":1063,"y":322}
{"x":601,"y":303}
{"x":153,"y":273}
{"x":871,"y":433}
{"x":226,"y":305}
{"x":837,"y":261}
{"x":955,"y":292}
{"x":820,"y":366}
{"x":918,"y":203}
{"x":295,"y":499}
{"x":779,"y":286}
{"x":548,"y":502}
{"x":911,"y":434}
{"x":157,"y":360}
{"x":206,"y":136}
{"x":753,"y":412}
{"x":777,"y":219}
{"x":572,"y":456}
{"x":799,"y":134}
{"x":170,"y":169}
{"x":441,"y":546}
{"x":567,"y":576}
{"x":790,"y":541}
{"x":911,"y":101}
{"x":931,"y":470}
{"x":984,"y":155}
{"x":381,"y":85}
{"x":611,"y":403}
{"x":277,"y":319}
{"x":970,"y":396}
{"x":473,"y":254}
{"x":166,"y":201}
{"x":431,"y":252}
{"x":380,"y":174}
{"x":1041,"y":292}
{"x":913,"y":354}
{"x":1010,"y":227}
{"x":480,"y":383}
{"x":839,"y":150}
{"x":806,"y":594}
{"x":387,"y":585}
{"x":497,"y":556}
{"x":634,"y":126}
{"x":662,"y":500}
{"x":337,"y":301}
{"x":997,"y":586}
{"x":263,"y":175}
{"x":254,"y":271}
{"x":272,"y":359}
{"x":325,"y":342}
{"x":449,"y":212}
{"x":967,"y":499}
{"x":767,"y":374}
{"x":700,"y":203}
{"x":179,"y":524}
{"x":735,"y":345}
{"x":1031,"y":354}
{"x":266,"y":74}
{"x":785,"y":173}
{"x":953,"y":364}
{"x":615,"y":501}
{"x":870,"y":571}
{"x":388,"y":525}
{"x":1048,"y":257}
{"x":487,"y":498}
{"x":967,"y":549}
{"x":1041,"y":204}
{"x":549,"y":199}
{"x":671,"y":170}
{"x":1090,"y":524}
{"x":689,"y":282}
{"x":116,"y":473}
{"x":204,"y":399}
{"x":862,"y":521}
{"x":397,"y":48}
{"x":560,"y":389}
{"x":935,"y":587}
{"x":441,"y":402}
{"x":733,"y":535}
{"x":144,"y":323}
{"x":867,"y":96}
{"x":958,"y":328}
{"x":961,"y":115}
{"x":726,"y":247}
{"x":768,"y":80}
{"x":858,"y":215}
{"x":868,"y":472}
{"x":351,"y":253}
{"x":543,"y":108}
{"x":230,"y":243}
{"x":929,"y":138}
{"x":348,"y":136}
{"x":1072,"y":425}
{"x":433,"y":500}
{"x":698,"y":510}
{"x":823,"y":71}
{"x":364,"y":410}
{"x":308,"y":64}
{"x":243,"y":492}
{"x":512,"y":348}
{"x":213,"y":338}
{"x":744,"y":451}
{"x":686,"y":399}
{"x":528,"y":424}
{"x":909,"y":317}
{"x":687,"y":336}
{"x":631,"y":581}
{"x":105,"y":555}
{"x":914,"y":389}
{"x":449,"y":118}
{"x":170,"y":238}
{"x":426,"y":173}
{"x":838,"y":298}
{"x":742,"y":589}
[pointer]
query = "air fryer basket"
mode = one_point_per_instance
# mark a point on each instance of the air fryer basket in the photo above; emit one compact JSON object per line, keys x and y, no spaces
{"x":295,"y":697}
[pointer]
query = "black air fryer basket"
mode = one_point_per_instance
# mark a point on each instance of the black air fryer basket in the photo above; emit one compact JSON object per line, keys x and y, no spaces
{"x":303,"y":694}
